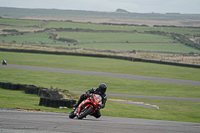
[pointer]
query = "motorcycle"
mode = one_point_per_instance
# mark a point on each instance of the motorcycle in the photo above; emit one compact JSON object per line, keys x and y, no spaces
{"x":4,"y":63}
{"x":87,"y":107}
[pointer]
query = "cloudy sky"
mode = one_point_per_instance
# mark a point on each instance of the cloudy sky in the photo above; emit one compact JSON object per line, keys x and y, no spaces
{"x":140,"y":6}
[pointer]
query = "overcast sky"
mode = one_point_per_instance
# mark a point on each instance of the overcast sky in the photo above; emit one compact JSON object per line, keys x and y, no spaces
{"x":139,"y":6}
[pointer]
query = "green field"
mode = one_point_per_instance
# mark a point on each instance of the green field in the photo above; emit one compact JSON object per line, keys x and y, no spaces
{"x":101,"y":65}
{"x":84,"y":37}
{"x":29,"y":38}
{"x":78,"y":82}
{"x":20,"y":29}
{"x":169,"y":110}
{"x":113,"y":37}
{"x":19,"y":22}
{"x":60,"y":24}
{"x":109,"y":41}
{"x":164,"y":47}
{"x":99,"y":40}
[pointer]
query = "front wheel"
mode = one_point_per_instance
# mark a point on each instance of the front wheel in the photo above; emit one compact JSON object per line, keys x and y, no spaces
{"x":84,"y":113}
{"x":72,"y":115}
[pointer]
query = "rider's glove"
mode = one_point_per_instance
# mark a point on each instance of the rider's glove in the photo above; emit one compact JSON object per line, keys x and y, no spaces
{"x":87,"y":95}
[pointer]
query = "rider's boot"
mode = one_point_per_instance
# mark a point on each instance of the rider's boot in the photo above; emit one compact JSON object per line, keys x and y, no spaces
{"x":76,"y":105}
{"x":82,"y":97}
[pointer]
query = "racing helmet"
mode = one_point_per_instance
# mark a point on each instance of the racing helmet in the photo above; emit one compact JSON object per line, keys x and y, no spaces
{"x":102,"y":87}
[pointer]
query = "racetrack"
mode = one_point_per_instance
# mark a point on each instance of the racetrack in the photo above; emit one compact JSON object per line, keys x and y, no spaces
{"x":12,"y":121}
{"x":103,"y":74}
{"x":45,"y":122}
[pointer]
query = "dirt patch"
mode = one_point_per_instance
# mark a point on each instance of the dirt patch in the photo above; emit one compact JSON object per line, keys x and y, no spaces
{"x":149,"y":22}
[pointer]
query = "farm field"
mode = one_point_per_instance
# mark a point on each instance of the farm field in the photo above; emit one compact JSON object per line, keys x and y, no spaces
{"x":30,"y":25}
{"x":17,"y":22}
{"x":142,"y":41}
{"x":105,"y":41}
{"x":131,"y":46}
{"x":29,"y":38}
{"x":20,"y":29}
{"x":74,"y":25}
{"x":60,"y":24}
{"x":113,"y":37}
{"x":84,"y":37}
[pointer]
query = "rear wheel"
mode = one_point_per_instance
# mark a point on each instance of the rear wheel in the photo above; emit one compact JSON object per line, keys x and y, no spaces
{"x":84,"y":112}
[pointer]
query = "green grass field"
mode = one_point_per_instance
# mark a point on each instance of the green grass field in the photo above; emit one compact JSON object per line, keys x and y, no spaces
{"x":20,"y":100}
{"x":59,"y":24}
{"x":20,"y":29}
{"x":78,"y":82}
{"x":132,"y":46}
{"x":113,"y":37}
{"x":32,"y":38}
{"x":18,"y":22}
{"x":101,"y":65}
{"x":86,"y":39}
{"x":169,"y":110}
{"x":118,"y":39}
{"x":89,"y":37}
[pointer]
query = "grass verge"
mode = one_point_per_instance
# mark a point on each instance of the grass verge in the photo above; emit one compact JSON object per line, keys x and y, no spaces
{"x":78,"y":82}
{"x":171,"y":111}
{"x":20,"y":100}
{"x":101,"y":65}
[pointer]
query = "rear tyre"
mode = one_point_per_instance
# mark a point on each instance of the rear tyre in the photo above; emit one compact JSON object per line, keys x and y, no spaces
{"x":84,"y":113}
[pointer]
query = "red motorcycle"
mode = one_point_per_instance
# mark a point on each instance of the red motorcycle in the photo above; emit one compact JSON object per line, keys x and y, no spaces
{"x":87,"y":107}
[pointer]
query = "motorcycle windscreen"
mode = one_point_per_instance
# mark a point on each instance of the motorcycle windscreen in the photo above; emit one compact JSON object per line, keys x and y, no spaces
{"x":98,"y":96}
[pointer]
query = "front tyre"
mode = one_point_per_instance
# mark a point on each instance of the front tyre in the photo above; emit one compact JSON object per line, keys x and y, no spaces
{"x":84,"y":113}
{"x":72,"y":115}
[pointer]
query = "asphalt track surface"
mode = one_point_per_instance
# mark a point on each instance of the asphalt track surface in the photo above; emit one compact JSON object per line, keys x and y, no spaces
{"x":12,"y":121}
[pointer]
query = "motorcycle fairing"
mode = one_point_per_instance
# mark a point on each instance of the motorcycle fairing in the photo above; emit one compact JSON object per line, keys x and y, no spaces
{"x":83,"y":103}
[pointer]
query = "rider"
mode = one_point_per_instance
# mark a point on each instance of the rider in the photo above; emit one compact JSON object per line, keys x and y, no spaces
{"x":4,"y":62}
{"x":101,"y":91}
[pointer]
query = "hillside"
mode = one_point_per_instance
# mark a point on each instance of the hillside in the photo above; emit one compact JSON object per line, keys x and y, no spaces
{"x":102,"y":17}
